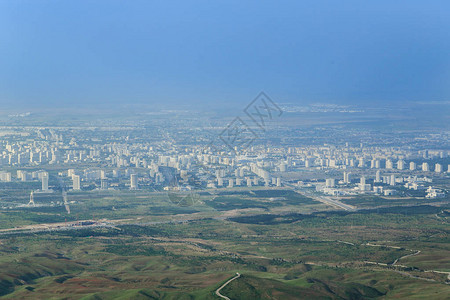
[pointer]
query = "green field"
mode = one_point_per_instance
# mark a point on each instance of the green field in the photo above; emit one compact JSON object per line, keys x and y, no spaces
{"x":285,"y":245}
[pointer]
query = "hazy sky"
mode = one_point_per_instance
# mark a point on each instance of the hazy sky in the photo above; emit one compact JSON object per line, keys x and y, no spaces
{"x":59,"y":53}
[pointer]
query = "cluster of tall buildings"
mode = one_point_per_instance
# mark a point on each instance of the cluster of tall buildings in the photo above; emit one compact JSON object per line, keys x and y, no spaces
{"x":113,"y":160}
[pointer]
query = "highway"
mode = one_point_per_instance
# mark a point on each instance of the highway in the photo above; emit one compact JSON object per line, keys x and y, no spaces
{"x":329,"y":201}
{"x":324,"y":199}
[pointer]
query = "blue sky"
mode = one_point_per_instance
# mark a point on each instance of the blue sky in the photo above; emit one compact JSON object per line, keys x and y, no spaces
{"x":69,"y":53}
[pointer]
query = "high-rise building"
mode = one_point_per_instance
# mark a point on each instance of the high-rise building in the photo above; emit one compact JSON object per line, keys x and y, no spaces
{"x":378,"y":189}
{"x":5,"y":176}
{"x":361,"y":163}
{"x":389,"y":164}
{"x":378,"y":177}
{"x":230,"y":183}
{"x":332,"y":163}
{"x":438,"y":168}
{"x":346,"y":177}
{"x":45,"y":182}
{"x":70,"y":172}
{"x":425,"y":167}
{"x":362,"y":184}
{"x":104,"y":184}
{"x":412,"y":166}
{"x":23,"y":175}
{"x":76,"y":182}
{"x":377,"y":164}
{"x":308,"y":163}
{"x":400,"y":165}
{"x":31,"y":202}
{"x":330,"y":182}
{"x":133,"y":181}
{"x":392,"y":180}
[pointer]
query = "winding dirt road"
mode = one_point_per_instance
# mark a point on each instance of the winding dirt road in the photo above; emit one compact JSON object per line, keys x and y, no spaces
{"x":224,"y":285}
